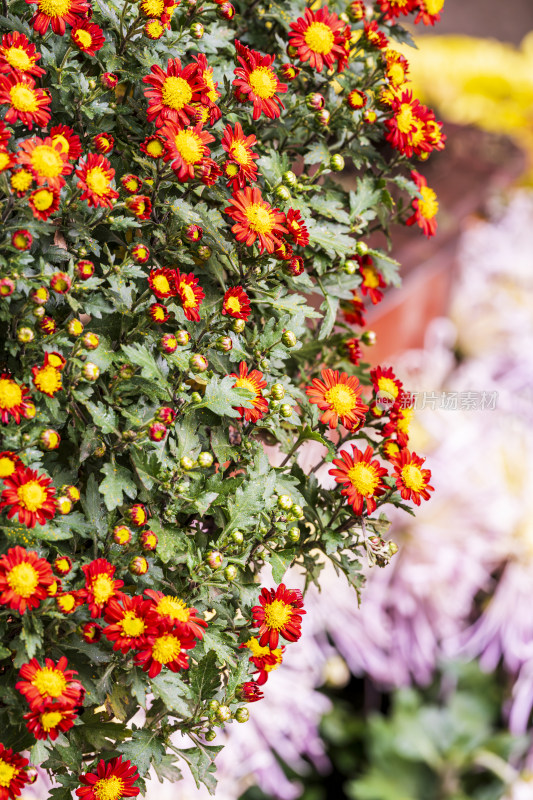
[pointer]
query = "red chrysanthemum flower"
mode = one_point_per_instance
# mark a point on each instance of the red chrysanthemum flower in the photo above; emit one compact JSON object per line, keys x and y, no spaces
{"x":297,"y":228}
{"x":250,"y":692}
{"x":354,"y":311}
{"x":391,"y":9}
{"x":372,"y":279}
{"x":47,"y":379}
{"x":44,"y":202}
{"x":279,"y":614}
{"x":9,"y":462}
{"x":62,"y":565}
{"x":49,"y":721}
{"x":361,"y":478}
{"x":24,"y":579}
{"x":162,"y":282}
{"x":319,"y":39}
{"x":339,"y":397}
{"x":210,"y":93}
{"x":387,"y":386}
{"x":173,"y":92}
{"x":91,"y":632}
{"x":263,"y":658}
{"x":20,"y":180}
{"x":27,"y":103}
{"x":138,"y":513}
{"x":258,"y":83}
{"x":374,"y":36}
{"x":411,"y":479}
{"x":7,"y":159}
{"x":253,"y":381}
{"x":140,"y":253}
{"x":103,"y":143}
{"x":407,"y":130}
{"x":353,"y":348}
{"x":153,"y":146}
{"x":13,"y":769}
{"x":112,"y":780}
{"x":140,"y":205}
{"x":58,"y":13}
{"x":240,"y":167}
{"x":255,"y":219}
{"x":100,"y":585}
{"x":166,"y":648}
{"x":19,"y":55}
{"x":154,"y":29}
{"x":289,"y":71}
{"x":283,"y":250}
{"x":88,"y":37}
{"x":45,"y":160}
{"x":397,"y":68}
{"x":53,"y":359}
{"x":400,"y":420}
{"x":177,"y":611}
{"x":425,"y":209}
{"x":96,"y":174}
{"x":53,"y":682}
{"x":29,"y":495}
{"x":22,"y":239}
{"x":209,"y":171}
{"x":429,"y":11}
{"x":190,"y":294}
{"x":130,"y":620}
{"x":159,"y":313}
{"x":14,"y":398}
{"x":186,"y":148}
{"x":132,"y":184}
{"x":236,"y":303}
{"x":356,"y":99}
{"x":109,"y":80}
{"x":69,"y":141}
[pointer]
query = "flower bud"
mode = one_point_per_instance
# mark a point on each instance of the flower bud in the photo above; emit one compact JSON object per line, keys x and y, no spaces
{"x":7,"y":287}
{"x":122,"y":535}
{"x":362,"y":248}
{"x":91,"y":632}
{"x":315,"y":101}
{"x":60,"y":282}
{"x":149,"y":540}
{"x":285,"y":410}
{"x":224,"y":344}
{"x":291,"y":51}
{"x":350,"y":267}
{"x":90,"y":371}
{"x":138,"y":565}
{"x":49,"y":439}
{"x":238,"y":325}
{"x":157,"y":432}
{"x":63,"y":504}
{"x":84,"y":269}
{"x":62,"y":565}
{"x":40,"y":296}
{"x":210,"y":735}
{"x":22,"y":239}
{"x":293,"y":534}
{"x":25,"y":335}
{"x":277,"y":391}
{"x":289,"y":72}
{"x":242,"y":715}
{"x":182,"y":338}
{"x":237,"y":537}
{"x":297,"y":511}
{"x":193,"y":233}
{"x":285,"y":501}
{"x":323,"y":117}
{"x":196,"y":397}
{"x":137,"y":514}
{"x":369,"y":338}
{"x":168,"y":343}
{"x":231,"y":572}
{"x":282,"y":193}
{"x":47,"y":325}
{"x":197,"y":30}
{"x":214,"y":559}
{"x":295,"y":266}
{"x":75,"y":327}
{"x":90,"y":341}
{"x":223,"y":713}
{"x":198,"y":363}
{"x":140,"y":253}
{"x":289,"y":338}
{"x":336,"y":163}
{"x":109,"y":80}
{"x":393,"y":548}
{"x":204,"y":252}
{"x":72,"y":492}
{"x":226,"y":11}
{"x":187,"y":463}
{"x":166,"y":415}
{"x":205,"y":459}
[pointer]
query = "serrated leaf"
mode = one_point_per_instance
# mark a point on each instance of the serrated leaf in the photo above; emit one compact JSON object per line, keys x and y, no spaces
{"x":280,"y":561}
{"x":103,"y":416}
{"x":223,"y":399}
{"x":214,"y":640}
{"x":147,"y":467}
{"x":142,"y":749}
{"x":205,"y":677}
{"x":331,"y":307}
{"x":174,"y":693}
{"x":118,"y":480}
{"x":140,"y":356}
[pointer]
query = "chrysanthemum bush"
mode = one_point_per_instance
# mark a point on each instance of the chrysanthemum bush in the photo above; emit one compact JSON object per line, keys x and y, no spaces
{"x":177,"y":242}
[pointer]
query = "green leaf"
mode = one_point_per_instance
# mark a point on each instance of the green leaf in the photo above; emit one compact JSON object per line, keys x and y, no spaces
{"x":220,"y":644}
{"x":103,"y":416}
{"x":118,"y":480}
{"x":205,"y":677}
{"x":39,"y":752}
{"x":202,"y":766}
{"x":333,"y":239}
{"x":146,"y":466}
{"x":140,"y":356}
{"x":174,"y":693}
{"x":142,"y":749}
{"x":280,"y":561}
{"x":92,"y":505}
{"x":223,"y":399}
{"x":330,"y":306}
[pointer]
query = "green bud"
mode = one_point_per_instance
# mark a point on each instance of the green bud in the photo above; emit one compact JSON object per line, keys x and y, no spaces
{"x":289,"y":338}
{"x":237,"y":537}
{"x":289,"y":178}
{"x":196,"y":397}
{"x":336,"y":163}
{"x":205,"y":459}
{"x":285,"y":410}
{"x":297,"y":511}
{"x":293,"y":534}
{"x":277,"y":391}
{"x":282,"y":193}
{"x":224,"y":713}
{"x":210,"y":735}
{"x":285,"y":502}
{"x":274,"y":406}
{"x":213,"y":706}
{"x":242,"y":715}
{"x":264,"y":364}
{"x":393,"y":548}
{"x":361,"y":248}
{"x":350,"y":267}
{"x":187,"y":463}
{"x":369,"y":338}
{"x":231,"y":572}
{"x":238,"y":325}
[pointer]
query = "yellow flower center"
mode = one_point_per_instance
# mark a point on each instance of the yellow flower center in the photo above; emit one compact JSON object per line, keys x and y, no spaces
{"x":5,"y":159}
{"x":176,"y":92}
{"x":23,"y":579}
{"x":49,"y":682}
{"x":10,"y":393}
{"x":132,"y":625}
{"x":7,"y":773}
{"x":277,"y":614}
{"x":263,"y":82}
{"x":18,"y":58}
{"x":155,"y":28}
{"x":240,"y":153}
{"x":161,"y":284}
{"x":405,"y":118}
{"x":166,"y":648}
{"x":319,"y":38}
{"x":396,"y":73}
{"x":370,"y":277}
{"x":31,"y":495}
{"x":174,"y":608}
{"x":109,"y":788}
{"x":97,"y":181}
{"x":259,"y":218}
{"x":60,"y":140}
{"x":50,"y":720}
{"x":48,"y":380}
{"x":7,"y":467}
{"x":21,"y":241}
{"x":21,"y":180}
{"x":232,"y":303}
{"x":46,"y":161}
{"x":83,"y":38}
{"x":363,"y":477}
{"x":255,"y":647}
{"x":103,"y":588}
{"x":433,"y":6}
{"x":62,"y":564}
{"x":67,"y":602}
{"x":279,"y":658}
{"x":54,"y":8}
{"x":155,"y":148}
{"x":406,"y":415}
{"x":429,"y":205}
{"x":189,"y":146}
{"x":388,"y":386}
{"x":23,"y":98}
{"x":212,"y":94}
{"x":247,"y":384}
{"x":413,"y":478}
{"x":188,"y":298}
{"x":231,"y":169}
{"x":341,"y":398}
{"x":43,"y":199}
{"x":417,"y":134}
{"x":153,"y":8}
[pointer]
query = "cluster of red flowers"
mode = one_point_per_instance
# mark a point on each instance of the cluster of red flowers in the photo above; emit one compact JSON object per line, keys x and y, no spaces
{"x":14,"y":773}
{"x":279,"y":614}
{"x":427,"y":11}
